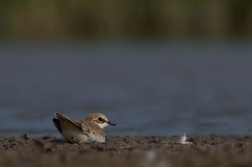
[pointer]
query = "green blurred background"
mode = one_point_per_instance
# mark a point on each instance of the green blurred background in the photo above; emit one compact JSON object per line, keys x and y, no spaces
{"x":122,"y":19}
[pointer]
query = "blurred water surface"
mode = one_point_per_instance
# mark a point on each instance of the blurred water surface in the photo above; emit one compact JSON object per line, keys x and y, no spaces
{"x":146,"y":88}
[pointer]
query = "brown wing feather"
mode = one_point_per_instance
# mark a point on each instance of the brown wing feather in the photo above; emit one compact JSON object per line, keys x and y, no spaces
{"x":90,"y":127}
{"x":63,"y":117}
{"x":57,"y":124}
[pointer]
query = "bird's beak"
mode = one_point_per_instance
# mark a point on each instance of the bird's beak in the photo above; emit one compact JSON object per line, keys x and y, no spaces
{"x":110,"y":123}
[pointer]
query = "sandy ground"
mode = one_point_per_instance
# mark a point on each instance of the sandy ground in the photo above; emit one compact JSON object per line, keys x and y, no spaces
{"x":127,"y":151}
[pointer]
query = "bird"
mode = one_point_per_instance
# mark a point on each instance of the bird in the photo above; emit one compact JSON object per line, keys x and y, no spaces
{"x":82,"y":131}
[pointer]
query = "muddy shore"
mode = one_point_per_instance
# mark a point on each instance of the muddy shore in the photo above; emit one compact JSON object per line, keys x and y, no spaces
{"x":127,"y":151}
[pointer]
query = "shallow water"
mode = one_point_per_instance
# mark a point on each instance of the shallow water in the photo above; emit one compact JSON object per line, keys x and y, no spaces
{"x":146,"y":88}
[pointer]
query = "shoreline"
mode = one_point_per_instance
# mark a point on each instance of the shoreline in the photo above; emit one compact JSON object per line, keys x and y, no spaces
{"x":124,"y":151}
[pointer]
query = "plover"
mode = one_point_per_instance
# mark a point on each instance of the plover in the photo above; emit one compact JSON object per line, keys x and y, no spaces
{"x":82,"y":131}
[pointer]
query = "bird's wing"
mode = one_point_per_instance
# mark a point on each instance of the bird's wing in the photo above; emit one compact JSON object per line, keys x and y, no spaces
{"x":62,"y":119}
{"x":90,"y":127}
{"x":57,"y":124}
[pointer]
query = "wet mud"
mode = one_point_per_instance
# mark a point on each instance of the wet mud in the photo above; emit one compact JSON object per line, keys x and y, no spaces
{"x":127,"y":151}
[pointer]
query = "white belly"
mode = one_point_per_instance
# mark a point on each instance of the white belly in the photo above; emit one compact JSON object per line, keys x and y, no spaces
{"x":78,"y":136}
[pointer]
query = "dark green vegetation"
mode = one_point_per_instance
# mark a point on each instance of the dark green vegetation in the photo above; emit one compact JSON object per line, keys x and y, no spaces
{"x":60,"y":19}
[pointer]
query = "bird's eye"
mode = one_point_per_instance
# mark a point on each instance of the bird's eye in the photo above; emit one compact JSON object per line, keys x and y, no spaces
{"x":100,"y":119}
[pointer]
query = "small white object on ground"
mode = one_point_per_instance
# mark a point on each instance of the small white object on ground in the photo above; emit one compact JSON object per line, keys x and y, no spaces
{"x":183,"y":140}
